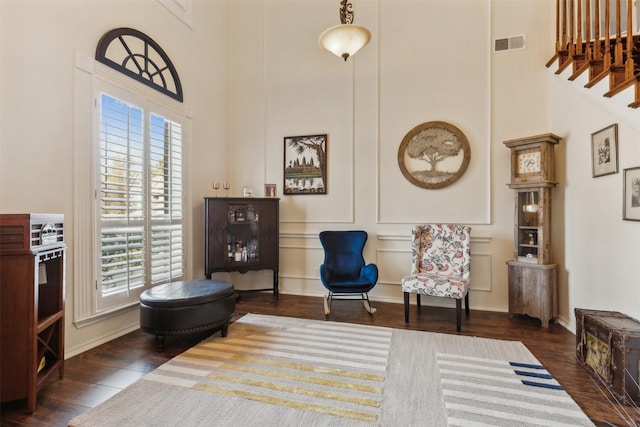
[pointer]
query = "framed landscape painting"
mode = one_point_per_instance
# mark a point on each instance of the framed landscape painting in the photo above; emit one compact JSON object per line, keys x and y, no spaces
{"x":305,"y":164}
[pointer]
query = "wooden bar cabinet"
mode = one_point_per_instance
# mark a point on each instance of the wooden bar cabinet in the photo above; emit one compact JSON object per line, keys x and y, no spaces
{"x":242,"y":234}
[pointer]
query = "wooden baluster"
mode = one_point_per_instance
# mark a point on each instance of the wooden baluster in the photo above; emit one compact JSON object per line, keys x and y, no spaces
{"x":579,"y":47}
{"x":558,"y":26}
{"x":572,"y":49}
{"x":607,"y":36}
{"x":564,"y":24}
{"x":618,"y":60}
{"x":587,"y":23}
{"x":629,"y":65}
{"x":596,"y":36}
{"x":564,"y":49}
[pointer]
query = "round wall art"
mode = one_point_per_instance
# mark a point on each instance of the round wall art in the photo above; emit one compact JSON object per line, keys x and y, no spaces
{"x":434,"y":155}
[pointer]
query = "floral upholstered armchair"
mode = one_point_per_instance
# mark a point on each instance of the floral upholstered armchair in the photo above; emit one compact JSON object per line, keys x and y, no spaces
{"x":441,"y":265}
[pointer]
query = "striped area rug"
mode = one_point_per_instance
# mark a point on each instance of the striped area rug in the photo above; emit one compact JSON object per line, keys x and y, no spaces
{"x":277,"y":371}
{"x":328,"y":368}
{"x":494,"y":392}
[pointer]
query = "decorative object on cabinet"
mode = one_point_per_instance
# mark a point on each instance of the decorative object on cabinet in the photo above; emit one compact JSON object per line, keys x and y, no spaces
{"x":604,"y":151}
{"x":305,"y":164}
{"x":631,"y":207}
{"x":270,"y":190}
{"x":346,"y":39}
{"x":440,"y":266}
{"x":344,"y":271}
{"x":608,"y":346}
{"x":434,"y":144}
{"x":32,"y":274}
{"x":532,"y":276}
{"x":242,"y":234}
{"x":247,"y":191}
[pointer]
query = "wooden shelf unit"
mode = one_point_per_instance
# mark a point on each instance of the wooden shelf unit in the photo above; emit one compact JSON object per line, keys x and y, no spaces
{"x":32,"y":277}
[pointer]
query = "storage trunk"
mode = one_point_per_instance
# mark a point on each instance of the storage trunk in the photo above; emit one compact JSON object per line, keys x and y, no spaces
{"x":608,"y":345}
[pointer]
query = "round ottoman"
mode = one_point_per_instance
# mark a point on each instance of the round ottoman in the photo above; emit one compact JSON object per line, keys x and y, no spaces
{"x":185,"y":307}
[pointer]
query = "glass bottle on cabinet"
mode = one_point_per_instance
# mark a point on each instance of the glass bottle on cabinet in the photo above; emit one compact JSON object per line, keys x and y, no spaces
{"x":241,"y":234}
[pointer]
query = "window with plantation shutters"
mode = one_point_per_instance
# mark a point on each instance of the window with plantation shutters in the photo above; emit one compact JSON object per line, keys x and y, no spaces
{"x":140,"y":200}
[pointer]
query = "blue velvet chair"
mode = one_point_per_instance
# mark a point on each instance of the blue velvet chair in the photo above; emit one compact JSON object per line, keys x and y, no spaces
{"x":344,"y":271}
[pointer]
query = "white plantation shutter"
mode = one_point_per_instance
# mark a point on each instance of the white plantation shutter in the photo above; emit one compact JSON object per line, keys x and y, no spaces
{"x":140,"y":201}
{"x":166,"y":200}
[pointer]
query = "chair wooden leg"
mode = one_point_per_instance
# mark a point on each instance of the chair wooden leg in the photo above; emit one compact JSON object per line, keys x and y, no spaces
{"x":367,"y":304}
{"x":418,"y":300}
{"x":406,"y":306}
{"x":458,"y":314}
{"x":327,"y":306}
{"x":466,"y":304}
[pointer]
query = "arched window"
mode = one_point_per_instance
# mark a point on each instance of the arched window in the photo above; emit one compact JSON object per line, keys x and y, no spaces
{"x":138,"y":163}
{"x":135,"y":54}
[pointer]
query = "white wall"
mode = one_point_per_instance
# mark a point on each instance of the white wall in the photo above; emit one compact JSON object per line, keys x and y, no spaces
{"x":421,"y":65}
{"x":252,"y":74}
{"x":39,"y":41}
{"x":600,"y":249}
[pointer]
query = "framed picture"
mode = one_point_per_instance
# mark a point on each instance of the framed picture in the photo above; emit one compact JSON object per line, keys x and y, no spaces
{"x":604,"y":151}
{"x":631,"y":207}
{"x":305,"y":164}
{"x":434,"y":155}
{"x":270,"y":190}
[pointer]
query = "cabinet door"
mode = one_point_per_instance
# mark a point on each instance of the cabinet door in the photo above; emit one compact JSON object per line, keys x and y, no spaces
{"x":215,"y":240}
{"x":269,"y":234}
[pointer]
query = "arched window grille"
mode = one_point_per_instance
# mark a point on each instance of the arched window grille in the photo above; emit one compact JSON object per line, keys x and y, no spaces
{"x":135,"y":54}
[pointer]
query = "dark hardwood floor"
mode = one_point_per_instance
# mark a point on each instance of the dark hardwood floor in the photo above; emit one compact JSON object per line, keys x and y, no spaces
{"x":94,"y":376}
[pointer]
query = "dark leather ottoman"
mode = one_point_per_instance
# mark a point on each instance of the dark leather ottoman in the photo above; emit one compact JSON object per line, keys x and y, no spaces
{"x":186,"y":307}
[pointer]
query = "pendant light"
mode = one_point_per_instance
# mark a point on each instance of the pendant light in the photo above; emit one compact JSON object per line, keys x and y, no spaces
{"x":346,"y":39}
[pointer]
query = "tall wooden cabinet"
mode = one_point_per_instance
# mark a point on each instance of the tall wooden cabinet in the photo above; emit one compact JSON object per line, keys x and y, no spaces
{"x":533,"y":278}
{"x":242,"y":234}
{"x":32,"y":285}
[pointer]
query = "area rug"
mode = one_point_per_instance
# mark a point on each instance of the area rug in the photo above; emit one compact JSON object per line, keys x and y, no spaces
{"x":279,"y":371}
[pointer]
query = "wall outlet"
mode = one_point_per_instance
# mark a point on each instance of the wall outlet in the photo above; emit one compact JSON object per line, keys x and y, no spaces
{"x":316,"y":271}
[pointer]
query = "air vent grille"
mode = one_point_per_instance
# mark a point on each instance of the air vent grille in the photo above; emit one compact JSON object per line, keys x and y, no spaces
{"x":505,"y":44}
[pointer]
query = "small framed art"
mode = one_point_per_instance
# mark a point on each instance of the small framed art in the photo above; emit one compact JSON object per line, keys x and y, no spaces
{"x":270,"y":190}
{"x":604,"y":151}
{"x":631,"y":207}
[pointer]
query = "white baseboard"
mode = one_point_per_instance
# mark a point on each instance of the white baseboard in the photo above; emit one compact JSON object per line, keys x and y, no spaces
{"x":74,"y":351}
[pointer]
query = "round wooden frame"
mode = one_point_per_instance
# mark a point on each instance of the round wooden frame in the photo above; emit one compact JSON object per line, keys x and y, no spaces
{"x":414,"y":177}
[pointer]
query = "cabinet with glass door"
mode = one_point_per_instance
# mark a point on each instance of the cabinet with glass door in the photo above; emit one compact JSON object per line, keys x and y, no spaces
{"x":241,"y":234}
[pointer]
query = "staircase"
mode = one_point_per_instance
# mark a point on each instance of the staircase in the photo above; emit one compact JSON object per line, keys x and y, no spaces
{"x":607,"y":53}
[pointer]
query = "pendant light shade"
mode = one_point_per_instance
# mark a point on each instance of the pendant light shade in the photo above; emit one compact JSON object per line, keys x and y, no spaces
{"x":346,"y":39}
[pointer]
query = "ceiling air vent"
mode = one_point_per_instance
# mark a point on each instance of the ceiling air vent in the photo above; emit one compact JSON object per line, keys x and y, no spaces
{"x":505,"y":44}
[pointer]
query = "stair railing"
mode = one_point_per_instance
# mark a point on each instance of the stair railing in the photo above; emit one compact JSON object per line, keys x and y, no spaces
{"x":607,"y":55}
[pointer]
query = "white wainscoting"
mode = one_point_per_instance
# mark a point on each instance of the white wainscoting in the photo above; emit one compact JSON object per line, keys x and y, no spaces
{"x":301,"y":256}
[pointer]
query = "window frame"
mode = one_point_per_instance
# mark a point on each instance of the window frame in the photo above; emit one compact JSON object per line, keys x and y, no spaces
{"x":92,"y":77}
